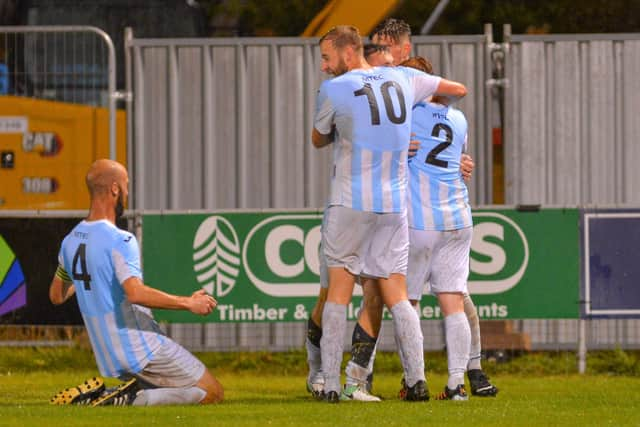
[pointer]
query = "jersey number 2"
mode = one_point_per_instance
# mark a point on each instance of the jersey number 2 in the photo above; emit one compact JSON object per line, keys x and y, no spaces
{"x":83,"y":274}
{"x":432,"y":156}
{"x":367,"y":90}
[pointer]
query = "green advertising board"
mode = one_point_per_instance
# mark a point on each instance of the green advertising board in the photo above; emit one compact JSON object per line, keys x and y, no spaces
{"x":263,"y":266}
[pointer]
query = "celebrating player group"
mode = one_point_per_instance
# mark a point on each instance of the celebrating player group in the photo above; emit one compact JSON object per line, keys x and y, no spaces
{"x":397,"y":221}
{"x":398,"y":217}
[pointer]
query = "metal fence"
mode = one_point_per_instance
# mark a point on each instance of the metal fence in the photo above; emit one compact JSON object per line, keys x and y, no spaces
{"x":571,"y":125}
{"x":549,"y":335}
{"x":226,"y":123}
{"x":73,"y":64}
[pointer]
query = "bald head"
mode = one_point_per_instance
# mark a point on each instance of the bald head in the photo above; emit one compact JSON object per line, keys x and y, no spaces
{"x":102,"y":176}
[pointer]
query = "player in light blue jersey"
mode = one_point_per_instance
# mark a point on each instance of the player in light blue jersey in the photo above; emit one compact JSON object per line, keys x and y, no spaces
{"x":363,"y":341}
{"x":440,"y":226}
{"x":371,"y":108}
{"x":359,"y":370}
{"x":396,"y":34}
{"x":100,"y":265}
{"x":367,"y":111}
{"x":438,"y":197}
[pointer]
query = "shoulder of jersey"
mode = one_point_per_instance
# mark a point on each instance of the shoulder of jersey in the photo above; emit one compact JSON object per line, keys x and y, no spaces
{"x":125,"y":236}
{"x":429,"y":106}
{"x":406,"y":71}
{"x":457,"y":113}
{"x":340,"y":78}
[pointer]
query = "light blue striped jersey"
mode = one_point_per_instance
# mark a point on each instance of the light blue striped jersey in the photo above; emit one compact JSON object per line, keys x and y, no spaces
{"x":99,"y":257}
{"x":438,"y":197}
{"x":371,"y":112}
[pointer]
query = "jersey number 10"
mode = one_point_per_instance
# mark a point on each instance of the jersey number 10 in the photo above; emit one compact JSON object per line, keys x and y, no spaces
{"x":367,"y":90}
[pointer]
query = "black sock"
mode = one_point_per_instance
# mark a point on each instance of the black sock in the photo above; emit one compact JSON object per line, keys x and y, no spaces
{"x":362,"y":346}
{"x":314,"y":333}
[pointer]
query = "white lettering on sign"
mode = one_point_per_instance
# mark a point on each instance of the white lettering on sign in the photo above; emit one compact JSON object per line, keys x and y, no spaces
{"x":11,"y":124}
{"x":256,"y":313}
{"x":39,"y":185}
{"x":42,"y":142}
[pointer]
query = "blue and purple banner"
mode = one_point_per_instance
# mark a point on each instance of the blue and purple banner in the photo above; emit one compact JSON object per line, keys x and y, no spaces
{"x":611,"y":263}
{"x":13,"y":288}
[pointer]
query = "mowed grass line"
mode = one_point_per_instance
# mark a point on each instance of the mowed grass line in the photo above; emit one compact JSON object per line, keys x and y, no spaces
{"x":265,"y":400}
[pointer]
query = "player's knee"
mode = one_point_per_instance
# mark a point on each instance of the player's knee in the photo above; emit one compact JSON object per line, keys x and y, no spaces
{"x":213,"y":389}
{"x":215,"y":393}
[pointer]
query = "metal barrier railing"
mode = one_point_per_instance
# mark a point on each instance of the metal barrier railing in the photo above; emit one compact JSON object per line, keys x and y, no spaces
{"x":75,"y":64}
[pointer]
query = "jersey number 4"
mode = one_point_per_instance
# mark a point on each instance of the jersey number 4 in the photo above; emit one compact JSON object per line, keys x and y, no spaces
{"x":448,"y":135}
{"x":367,"y":90}
{"x":81,"y":258}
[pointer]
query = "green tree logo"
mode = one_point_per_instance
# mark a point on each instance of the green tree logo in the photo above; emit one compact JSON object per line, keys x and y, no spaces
{"x":216,"y":256}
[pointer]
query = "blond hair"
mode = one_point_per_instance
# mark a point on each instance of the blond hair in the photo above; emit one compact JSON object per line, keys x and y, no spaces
{"x":342,"y":36}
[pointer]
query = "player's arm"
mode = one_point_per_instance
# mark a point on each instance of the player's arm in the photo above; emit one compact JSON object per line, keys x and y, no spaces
{"x":126,"y":260}
{"x":425,"y":85}
{"x":320,"y":140}
{"x":414,"y":145}
{"x":466,"y":166}
{"x":139,"y":293}
{"x":466,"y":162}
{"x":452,"y":90}
{"x":324,"y":128}
{"x":61,"y":288}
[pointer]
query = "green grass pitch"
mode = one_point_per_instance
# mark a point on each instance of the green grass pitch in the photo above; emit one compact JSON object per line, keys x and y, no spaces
{"x":268,"y":389}
{"x":266,"y":400}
